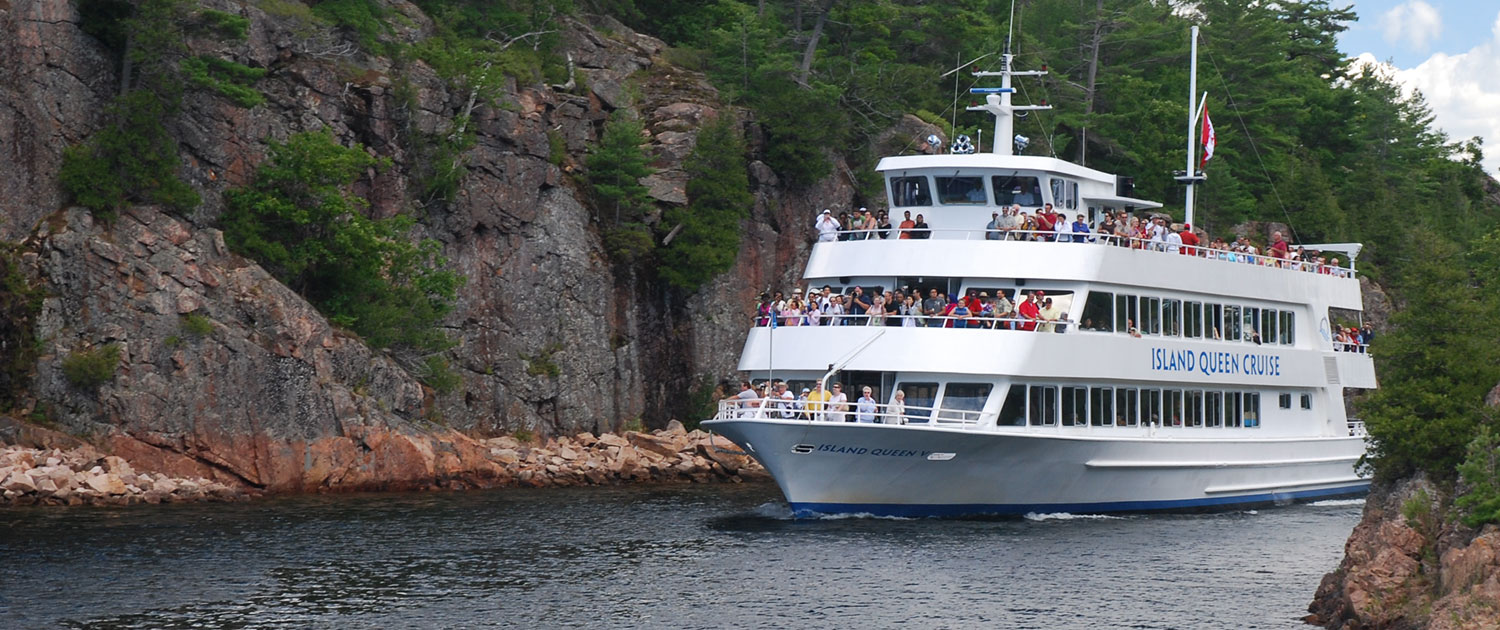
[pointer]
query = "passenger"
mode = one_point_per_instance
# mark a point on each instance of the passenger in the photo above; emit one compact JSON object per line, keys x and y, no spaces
{"x":1107,"y":227}
{"x":883,"y":224}
{"x":1123,"y":233}
{"x":844,"y":234}
{"x":1044,"y":221}
{"x":1158,"y":230}
{"x":920,"y":229}
{"x":1049,"y":314}
{"x":1174,"y":242}
{"x":817,"y":401}
{"x":1278,"y":249}
{"x":957,"y":314}
{"x":802,"y":411}
{"x":1080,"y":230}
{"x":906,"y":226}
{"x":870,"y":225}
{"x":1029,"y":311}
{"x":895,"y":413}
{"x":865,"y":408}
{"x":1189,"y":240}
{"x":828,"y":228}
{"x":859,"y":306}
{"x":986,"y":312}
{"x":1010,"y":221}
{"x":763,"y":312}
{"x":1062,"y":231}
{"x":788,"y":403}
{"x":792,"y":316}
{"x":932,"y":307}
{"x":838,"y":404}
{"x":876,"y":312}
{"x":746,"y":399}
{"x":857,"y":226}
{"x":1131,"y":330}
{"x":1027,"y":228}
{"x":812,"y":313}
{"x":910,"y":312}
{"x":992,"y":229}
{"x":1005,"y":311}
{"x":835,"y":314}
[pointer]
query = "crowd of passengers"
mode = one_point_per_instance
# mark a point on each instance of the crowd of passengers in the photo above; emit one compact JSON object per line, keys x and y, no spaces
{"x":1351,"y":339}
{"x":815,"y":403}
{"x":907,"y":307}
{"x":1118,"y":228}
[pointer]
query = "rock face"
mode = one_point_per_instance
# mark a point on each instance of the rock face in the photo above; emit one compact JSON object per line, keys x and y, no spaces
{"x":551,"y":338}
{"x":1406,"y":566}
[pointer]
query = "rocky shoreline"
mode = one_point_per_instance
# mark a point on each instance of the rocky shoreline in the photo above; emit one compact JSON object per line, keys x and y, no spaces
{"x":83,"y":475}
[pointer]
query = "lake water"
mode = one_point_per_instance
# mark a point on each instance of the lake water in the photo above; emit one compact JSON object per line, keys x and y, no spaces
{"x":711,"y":556}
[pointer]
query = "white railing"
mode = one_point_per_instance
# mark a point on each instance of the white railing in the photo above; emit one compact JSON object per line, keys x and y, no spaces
{"x":772,"y":408}
{"x":923,"y":321}
{"x":1133,"y":243}
{"x":1345,"y":346}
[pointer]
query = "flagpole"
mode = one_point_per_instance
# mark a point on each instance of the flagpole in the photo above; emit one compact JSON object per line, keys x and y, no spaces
{"x":1192,"y":139}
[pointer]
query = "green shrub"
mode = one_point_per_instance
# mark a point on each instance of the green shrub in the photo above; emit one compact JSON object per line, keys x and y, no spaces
{"x":615,"y":170}
{"x":557,"y":147}
{"x":20,"y":303}
{"x":91,"y":368}
{"x":227,"y":78}
{"x":525,"y":436}
{"x":718,"y":192}
{"x":197,"y":325}
{"x":365,"y":18}
{"x":302,"y":223}
{"x":226,"y":24}
{"x":440,"y":376}
{"x":1481,"y":472}
{"x":542,"y":364}
{"x":133,"y":158}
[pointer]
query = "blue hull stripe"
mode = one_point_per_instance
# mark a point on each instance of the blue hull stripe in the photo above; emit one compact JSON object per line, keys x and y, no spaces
{"x":966,"y":509}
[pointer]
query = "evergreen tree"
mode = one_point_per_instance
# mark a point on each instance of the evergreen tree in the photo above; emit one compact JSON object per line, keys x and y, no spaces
{"x":708,"y":228}
{"x":615,"y":172}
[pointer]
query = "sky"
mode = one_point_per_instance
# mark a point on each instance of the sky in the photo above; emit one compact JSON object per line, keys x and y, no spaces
{"x":1448,"y":49}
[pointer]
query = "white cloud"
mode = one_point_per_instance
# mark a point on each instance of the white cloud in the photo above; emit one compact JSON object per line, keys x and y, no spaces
{"x":1463,"y":91}
{"x":1415,"y":23}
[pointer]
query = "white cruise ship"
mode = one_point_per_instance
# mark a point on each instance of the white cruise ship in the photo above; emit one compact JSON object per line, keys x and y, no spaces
{"x":1173,"y":377}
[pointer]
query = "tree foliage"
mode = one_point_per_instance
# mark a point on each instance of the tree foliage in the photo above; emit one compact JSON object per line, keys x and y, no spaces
{"x":708,"y":228}
{"x":615,"y":170}
{"x":302,"y":223}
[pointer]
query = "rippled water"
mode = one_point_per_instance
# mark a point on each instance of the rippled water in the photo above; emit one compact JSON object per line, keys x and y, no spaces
{"x":679,"y":557}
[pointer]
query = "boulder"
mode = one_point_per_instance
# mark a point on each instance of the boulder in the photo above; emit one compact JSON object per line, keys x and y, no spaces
{"x":106,"y":483}
{"x":651,"y":443}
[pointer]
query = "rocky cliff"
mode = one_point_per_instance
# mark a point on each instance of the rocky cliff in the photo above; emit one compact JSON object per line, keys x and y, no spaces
{"x":271,"y":395}
{"x":1410,"y":564}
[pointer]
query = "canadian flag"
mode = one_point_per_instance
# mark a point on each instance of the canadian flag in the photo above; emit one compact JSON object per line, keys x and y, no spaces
{"x":1208,"y":139}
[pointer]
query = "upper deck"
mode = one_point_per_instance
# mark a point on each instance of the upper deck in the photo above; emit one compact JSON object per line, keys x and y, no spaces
{"x":966,"y":253}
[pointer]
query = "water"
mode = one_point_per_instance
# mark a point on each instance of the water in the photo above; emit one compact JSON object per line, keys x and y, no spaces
{"x":675,"y":557}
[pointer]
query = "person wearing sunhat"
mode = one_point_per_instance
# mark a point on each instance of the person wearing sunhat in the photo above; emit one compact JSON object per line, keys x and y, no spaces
{"x":828,"y":227}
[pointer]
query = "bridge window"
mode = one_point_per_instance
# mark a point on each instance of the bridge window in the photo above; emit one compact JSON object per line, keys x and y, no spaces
{"x":1013,"y":413}
{"x":1064,"y":194}
{"x":919,"y":399}
{"x":961,"y":190}
{"x":964,"y":401}
{"x":910,"y":191}
{"x":1017,"y":190}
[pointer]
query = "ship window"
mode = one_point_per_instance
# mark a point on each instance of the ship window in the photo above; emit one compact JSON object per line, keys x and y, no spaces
{"x":1075,"y":406}
{"x":1072,"y":196}
{"x":1214,"y":407}
{"x":1194,"y":413}
{"x":1193,"y":320}
{"x":919,"y":399}
{"x":1126,"y":412}
{"x":1214,"y":316}
{"x":1015,"y":190}
{"x":1098,"y":311}
{"x":1284,"y":401}
{"x":1150,"y":316}
{"x":1042,"y":405}
{"x":1268,"y":326}
{"x":1287,"y":320}
{"x":1252,"y":409}
{"x":1233,"y":409}
{"x":1252,"y":323}
{"x":1151,"y":406}
{"x":1126,"y":316}
{"x":1172,"y":408}
{"x":964,"y":401}
{"x":1231,"y":323}
{"x":1101,"y":404}
{"x":1171,"y":317}
{"x":1013,"y":413}
{"x":910,"y":191}
{"x":1064,"y":194}
{"x":1307,"y":401}
{"x":961,"y":190}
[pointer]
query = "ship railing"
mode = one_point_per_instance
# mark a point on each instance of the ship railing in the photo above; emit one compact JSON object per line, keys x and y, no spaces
{"x":1129,"y":242}
{"x":773,"y":408}
{"x":925,"y":321}
{"x":1346,"y":346}
{"x":1357,"y":428}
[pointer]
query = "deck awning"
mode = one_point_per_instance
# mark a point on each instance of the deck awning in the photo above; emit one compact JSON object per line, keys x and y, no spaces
{"x":1348,"y":249}
{"x":1121,"y":202}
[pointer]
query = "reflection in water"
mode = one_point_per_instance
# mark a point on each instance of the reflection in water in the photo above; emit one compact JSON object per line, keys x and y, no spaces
{"x":678,"y":557}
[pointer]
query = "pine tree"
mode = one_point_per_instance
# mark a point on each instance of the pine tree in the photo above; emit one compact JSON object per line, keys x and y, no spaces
{"x":719,"y":199}
{"x":615,"y":172}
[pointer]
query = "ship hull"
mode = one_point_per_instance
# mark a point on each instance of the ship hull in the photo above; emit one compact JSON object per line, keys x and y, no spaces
{"x":842,"y":468}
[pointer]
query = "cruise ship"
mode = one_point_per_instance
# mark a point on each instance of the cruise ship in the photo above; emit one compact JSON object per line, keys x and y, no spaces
{"x":1171,"y":378}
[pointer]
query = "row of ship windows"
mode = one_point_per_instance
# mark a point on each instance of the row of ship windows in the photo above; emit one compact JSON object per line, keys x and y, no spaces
{"x":1078,"y":405}
{"x":1143,"y":315}
{"x":1007,"y":190}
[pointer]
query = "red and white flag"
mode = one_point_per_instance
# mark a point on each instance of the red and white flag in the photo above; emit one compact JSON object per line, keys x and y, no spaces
{"x":1208,"y":139}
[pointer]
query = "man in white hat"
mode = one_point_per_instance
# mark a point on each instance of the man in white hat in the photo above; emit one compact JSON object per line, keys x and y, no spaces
{"x":828,"y":227}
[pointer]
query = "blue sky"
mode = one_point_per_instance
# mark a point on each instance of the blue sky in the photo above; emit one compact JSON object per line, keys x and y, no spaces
{"x":1448,"y":49}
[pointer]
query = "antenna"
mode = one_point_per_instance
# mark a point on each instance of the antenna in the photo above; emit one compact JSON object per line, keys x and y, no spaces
{"x":997,"y":102}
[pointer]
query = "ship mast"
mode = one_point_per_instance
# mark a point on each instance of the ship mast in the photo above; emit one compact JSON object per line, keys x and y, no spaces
{"x":1192,"y":175}
{"x":997,"y":102}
